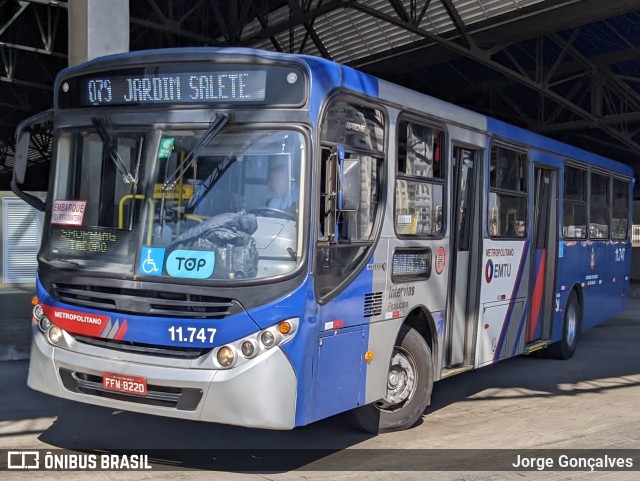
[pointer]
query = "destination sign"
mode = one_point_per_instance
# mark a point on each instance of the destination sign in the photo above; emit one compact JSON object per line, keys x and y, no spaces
{"x":91,"y":243}
{"x":190,"y":84}
{"x":178,"y":88}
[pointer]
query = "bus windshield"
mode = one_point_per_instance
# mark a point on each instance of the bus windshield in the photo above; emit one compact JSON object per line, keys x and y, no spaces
{"x":232,"y":212}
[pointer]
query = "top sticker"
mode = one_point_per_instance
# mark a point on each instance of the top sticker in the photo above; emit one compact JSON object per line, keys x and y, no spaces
{"x":68,"y":212}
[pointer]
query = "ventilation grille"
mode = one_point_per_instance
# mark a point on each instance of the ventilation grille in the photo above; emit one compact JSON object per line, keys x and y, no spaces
{"x":21,"y":236}
{"x":145,"y":349}
{"x":373,"y":304}
{"x":146,"y":302}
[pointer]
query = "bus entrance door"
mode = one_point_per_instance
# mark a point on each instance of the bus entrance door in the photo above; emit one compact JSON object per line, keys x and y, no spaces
{"x":463,"y":295}
{"x":545,"y":240}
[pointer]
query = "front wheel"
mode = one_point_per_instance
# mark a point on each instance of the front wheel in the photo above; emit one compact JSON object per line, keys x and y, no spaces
{"x":409,"y":386}
{"x":570,"y":330}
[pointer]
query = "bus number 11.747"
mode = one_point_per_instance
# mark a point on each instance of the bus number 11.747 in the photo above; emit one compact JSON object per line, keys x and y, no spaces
{"x":192,"y":334}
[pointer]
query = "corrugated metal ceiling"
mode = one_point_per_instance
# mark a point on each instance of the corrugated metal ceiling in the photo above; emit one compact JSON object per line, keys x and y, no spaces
{"x":349,"y":35}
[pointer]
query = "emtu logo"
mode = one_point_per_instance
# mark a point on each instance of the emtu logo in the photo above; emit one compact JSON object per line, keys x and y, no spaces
{"x":488,"y":271}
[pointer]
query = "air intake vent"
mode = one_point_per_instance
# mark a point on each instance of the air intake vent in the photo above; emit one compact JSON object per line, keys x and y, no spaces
{"x":145,"y":349}
{"x":373,"y":304}
{"x":146,"y":302}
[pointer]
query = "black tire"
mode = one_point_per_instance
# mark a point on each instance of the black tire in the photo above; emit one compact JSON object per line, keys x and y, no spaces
{"x":405,"y":404}
{"x":571,"y":325}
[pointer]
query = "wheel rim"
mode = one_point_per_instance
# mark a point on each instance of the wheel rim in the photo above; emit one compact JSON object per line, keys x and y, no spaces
{"x":572,"y":324}
{"x":401,"y":381}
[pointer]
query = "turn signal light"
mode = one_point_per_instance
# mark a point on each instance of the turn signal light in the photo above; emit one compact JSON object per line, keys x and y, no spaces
{"x":34,"y":300}
{"x":368,"y":356}
{"x":284,"y":327}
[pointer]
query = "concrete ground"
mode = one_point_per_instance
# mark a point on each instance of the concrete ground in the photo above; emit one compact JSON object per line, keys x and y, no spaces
{"x":588,"y":402}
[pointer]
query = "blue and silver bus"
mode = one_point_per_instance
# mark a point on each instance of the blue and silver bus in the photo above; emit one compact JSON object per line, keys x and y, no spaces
{"x":266,"y":240}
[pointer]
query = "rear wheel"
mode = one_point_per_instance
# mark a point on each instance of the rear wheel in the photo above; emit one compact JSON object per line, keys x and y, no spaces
{"x":570,"y":330}
{"x":409,"y":386}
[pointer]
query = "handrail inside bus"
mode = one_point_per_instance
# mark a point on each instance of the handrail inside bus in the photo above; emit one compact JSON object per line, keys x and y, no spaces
{"x":126,"y":198}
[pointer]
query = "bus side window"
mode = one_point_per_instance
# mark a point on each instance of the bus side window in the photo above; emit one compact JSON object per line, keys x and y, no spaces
{"x":507,"y":214}
{"x":620,"y":218}
{"x":599,"y":219}
{"x":419,"y":198}
{"x":574,"y":209}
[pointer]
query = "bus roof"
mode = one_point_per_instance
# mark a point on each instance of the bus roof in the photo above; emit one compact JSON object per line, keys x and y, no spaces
{"x":328,"y":75}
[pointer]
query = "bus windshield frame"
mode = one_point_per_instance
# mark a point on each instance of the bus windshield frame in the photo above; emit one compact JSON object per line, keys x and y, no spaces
{"x":101,"y":224}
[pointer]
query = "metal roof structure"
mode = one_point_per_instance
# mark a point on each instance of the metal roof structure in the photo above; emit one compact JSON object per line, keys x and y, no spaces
{"x":569,"y":69}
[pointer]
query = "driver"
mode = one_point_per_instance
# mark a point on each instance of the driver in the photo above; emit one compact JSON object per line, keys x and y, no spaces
{"x":282,"y":194}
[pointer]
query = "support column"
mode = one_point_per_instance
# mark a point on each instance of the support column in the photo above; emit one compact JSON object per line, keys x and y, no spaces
{"x":97,"y":28}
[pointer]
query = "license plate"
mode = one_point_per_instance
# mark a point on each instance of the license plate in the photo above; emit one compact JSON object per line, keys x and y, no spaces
{"x":124,"y":384}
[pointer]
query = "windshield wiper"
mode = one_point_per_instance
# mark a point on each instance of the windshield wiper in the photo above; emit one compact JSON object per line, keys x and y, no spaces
{"x":209,"y":183}
{"x":217,"y":124}
{"x":112,"y":150}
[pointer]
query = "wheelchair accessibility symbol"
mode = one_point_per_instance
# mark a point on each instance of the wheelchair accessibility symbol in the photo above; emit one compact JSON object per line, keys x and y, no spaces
{"x":152,"y":261}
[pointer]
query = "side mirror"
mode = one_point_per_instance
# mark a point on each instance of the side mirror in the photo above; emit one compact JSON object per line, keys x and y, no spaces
{"x":349,"y":182}
{"x":21,"y":157}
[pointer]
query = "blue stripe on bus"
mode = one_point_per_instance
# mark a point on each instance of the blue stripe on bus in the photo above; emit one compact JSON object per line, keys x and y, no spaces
{"x":502,"y":129}
{"x":516,"y":287}
{"x":523,"y":322}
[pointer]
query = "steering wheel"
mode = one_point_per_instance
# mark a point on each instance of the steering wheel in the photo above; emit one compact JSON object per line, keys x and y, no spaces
{"x":271,"y":212}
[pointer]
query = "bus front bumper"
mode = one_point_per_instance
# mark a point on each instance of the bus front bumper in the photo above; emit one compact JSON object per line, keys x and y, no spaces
{"x":260,"y":393}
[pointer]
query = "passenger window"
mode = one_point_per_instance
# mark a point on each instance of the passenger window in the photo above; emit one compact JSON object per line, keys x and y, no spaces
{"x":620,"y":217}
{"x":507,"y":193}
{"x":599,"y":220}
{"x":574,"y":218}
{"x":419,"y":200}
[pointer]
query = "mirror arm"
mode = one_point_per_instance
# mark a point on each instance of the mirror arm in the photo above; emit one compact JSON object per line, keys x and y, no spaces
{"x":32,"y":200}
{"x":21,"y":157}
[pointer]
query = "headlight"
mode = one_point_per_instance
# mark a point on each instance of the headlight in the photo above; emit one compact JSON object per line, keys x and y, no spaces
{"x":248,"y":348}
{"x":240,"y":351}
{"x":268,"y":339}
{"x":44,"y":324}
{"x":226,"y":356}
{"x":55,"y":335}
{"x":38,"y":312}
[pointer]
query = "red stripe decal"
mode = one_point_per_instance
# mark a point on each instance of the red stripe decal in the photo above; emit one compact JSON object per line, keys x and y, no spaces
{"x":538,"y":291}
{"x":121,"y":331}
